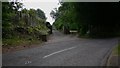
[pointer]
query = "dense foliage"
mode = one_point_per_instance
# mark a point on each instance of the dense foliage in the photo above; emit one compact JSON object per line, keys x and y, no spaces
{"x":20,"y":24}
{"x":91,"y":19}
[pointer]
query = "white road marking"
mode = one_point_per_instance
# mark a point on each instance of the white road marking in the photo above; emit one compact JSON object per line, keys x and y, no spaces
{"x":28,"y":62}
{"x":58,"y":52}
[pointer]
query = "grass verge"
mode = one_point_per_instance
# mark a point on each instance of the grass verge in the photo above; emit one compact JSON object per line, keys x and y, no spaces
{"x":116,"y":51}
{"x":19,"y":41}
{"x":17,"y":44}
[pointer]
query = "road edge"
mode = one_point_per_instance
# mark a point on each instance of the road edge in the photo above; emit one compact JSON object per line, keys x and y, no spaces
{"x":106,"y":58}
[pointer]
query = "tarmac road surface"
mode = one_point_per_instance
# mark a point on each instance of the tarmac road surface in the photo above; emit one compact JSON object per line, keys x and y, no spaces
{"x":62,"y":50}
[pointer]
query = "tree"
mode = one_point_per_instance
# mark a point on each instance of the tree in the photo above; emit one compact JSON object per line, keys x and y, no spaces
{"x":93,"y":19}
{"x":41,"y":14}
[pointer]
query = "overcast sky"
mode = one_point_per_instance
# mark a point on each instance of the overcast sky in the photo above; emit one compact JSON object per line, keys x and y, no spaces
{"x":46,"y":5}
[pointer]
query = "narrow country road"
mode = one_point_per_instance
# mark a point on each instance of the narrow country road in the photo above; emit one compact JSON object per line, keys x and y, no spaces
{"x":62,"y":50}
